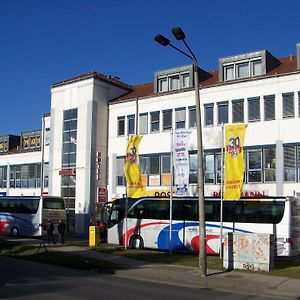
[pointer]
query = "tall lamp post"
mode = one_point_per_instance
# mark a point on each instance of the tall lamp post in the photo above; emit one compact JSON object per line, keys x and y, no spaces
{"x":180,"y":35}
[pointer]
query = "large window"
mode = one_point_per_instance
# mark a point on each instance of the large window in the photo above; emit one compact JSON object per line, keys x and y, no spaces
{"x":143,"y":123}
{"x":25,"y":176}
{"x":269,"y":107}
{"x":68,"y":182}
{"x":223,"y":112}
{"x":238,"y":111}
{"x":209,"y":114}
{"x":288,"y":105}
{"x":154,"y":121}
{"x":253,"y":109}
{"x":173,"y":81}
{"x":167,"y":119}
{"x":254,"y":159}
{"x":180,"y":118}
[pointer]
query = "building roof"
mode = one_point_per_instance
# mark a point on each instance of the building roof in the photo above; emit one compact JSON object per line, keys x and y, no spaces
{"x":92,"y":74}
{"x":287,"y":65}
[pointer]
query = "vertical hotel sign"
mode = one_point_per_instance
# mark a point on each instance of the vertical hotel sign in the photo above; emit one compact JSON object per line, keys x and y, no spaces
{"x":181,"y":161}
{"x":135,"y":189}
{"x":234,"y":160}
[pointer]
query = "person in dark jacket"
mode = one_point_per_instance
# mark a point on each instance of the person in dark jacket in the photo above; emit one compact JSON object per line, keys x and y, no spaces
{"x":49,"y":230}
{"x":61,"y":228}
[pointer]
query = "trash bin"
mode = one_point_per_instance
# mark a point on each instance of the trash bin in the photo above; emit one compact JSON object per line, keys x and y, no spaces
{"x":93,"y":236}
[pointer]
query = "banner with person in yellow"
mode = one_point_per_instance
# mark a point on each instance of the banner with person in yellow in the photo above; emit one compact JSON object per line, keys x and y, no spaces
{"x":135,"y":189}
{"x":234,"y":160}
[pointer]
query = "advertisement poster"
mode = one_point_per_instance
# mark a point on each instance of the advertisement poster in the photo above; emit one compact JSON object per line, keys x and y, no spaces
{"x":181,"y":161}
{"x":135,"y":188}
{"x":234,"y":161}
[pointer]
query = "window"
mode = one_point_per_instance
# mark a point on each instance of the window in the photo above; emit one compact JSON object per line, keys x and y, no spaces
{"x":209,"y":168}
{"x":256,"y":67}
{"x":254,"y":160}
{"x":219,"y":166}
{"x":163,"y":84}
{"x":223,"y":112}
{"x":253,"y":109}
{"x":269,"y":107}
{"x":185,"y":80}
{"x":166,"y":169}
{"x":193,"y":177}
{"x":120,"y":171}
{"x":180,"y":118}
{"x":154,"y":170}
{"x":154,"y":164}
{"x":3,"y":177}
{"x":192,"y":117}
{"x":243,"y":70}
{"x":167,"y":119}
{"x":208,"y":114}
{"x":121,"y":126}
{"x":298,"y":162}
{"x":174,"y":82}
{"x":154,"y":121}
{"x":289,"y":153}
{"x":288,"y":105}
{"x":131,"y":124}
{"x":269,"y":164}
{"x":238,"y":111}
{"x":229,"y":72}
{"x":143,"y":123}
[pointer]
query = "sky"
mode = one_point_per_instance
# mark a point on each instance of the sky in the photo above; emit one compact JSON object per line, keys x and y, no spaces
{"x":43,"y":42}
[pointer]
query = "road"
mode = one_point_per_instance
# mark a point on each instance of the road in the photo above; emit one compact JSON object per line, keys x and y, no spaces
{"x":20,"y":279}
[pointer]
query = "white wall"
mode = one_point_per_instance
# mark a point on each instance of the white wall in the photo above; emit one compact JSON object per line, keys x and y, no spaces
{"x":258,"y":133}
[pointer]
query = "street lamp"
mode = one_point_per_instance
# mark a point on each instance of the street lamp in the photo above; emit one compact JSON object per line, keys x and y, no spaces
{"x":180,"y":35}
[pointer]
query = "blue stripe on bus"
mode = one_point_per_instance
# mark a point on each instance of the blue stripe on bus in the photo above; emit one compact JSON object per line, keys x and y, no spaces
{"x":163,"y":239}
{"x":9,"y":216}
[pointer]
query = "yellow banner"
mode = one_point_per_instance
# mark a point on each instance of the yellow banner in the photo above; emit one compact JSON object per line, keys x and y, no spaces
{"x":234,"y":160}
{"x":135,"y":188}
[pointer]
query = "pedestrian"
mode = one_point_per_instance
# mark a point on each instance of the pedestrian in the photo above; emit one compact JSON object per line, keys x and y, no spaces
{"x":49,"y":230}
{"x":61,"y":228}
{"x":103,"y":232}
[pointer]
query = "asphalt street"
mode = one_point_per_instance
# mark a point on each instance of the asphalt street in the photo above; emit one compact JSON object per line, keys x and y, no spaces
{"x":20,"y":279}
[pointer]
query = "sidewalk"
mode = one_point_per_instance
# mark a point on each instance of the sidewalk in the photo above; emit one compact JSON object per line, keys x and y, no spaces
{"x":241,"y":282}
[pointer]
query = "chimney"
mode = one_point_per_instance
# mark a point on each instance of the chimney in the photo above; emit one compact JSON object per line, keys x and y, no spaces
{"x":298,"y":56}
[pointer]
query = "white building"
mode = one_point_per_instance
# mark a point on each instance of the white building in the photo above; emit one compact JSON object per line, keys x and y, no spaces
{"x":92,"y":116}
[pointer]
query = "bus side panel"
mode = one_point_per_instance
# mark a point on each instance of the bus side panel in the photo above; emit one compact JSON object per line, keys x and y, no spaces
{"x":24,"y":223}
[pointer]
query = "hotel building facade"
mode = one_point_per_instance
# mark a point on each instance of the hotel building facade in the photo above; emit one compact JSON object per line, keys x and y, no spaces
{"x":83,"y":139}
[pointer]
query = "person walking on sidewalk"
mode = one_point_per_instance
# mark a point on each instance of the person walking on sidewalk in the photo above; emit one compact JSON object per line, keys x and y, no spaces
{"x":49,"y":230}
{"x":61,"y":228}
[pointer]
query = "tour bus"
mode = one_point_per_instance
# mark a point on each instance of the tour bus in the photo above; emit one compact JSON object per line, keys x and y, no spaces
{"x":148,"y":222}
{"x":24,"y":215}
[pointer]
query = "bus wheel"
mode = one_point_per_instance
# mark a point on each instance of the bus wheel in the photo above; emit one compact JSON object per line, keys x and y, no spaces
{"x":136,"y":242}
{"x":14,"y":231}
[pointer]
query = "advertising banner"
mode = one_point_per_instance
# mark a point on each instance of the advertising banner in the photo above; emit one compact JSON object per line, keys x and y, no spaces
{"x":135,"y":188}
{"x":234,"y":160}
{"x":181,"y":161}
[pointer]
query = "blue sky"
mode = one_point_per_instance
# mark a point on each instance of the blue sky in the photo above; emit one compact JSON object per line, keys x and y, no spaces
{"x":44,"y":42}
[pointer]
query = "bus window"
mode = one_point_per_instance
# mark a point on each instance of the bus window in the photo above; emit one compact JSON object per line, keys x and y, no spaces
{"x":53,"y":203}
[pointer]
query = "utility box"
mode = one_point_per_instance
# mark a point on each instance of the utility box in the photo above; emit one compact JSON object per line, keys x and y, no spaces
{"x":93,"y":236}
{"x":247,"y":251}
